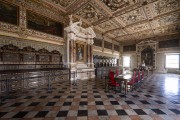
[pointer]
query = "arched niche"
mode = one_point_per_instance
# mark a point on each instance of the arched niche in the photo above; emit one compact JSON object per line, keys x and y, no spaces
{"x":146,"y":50}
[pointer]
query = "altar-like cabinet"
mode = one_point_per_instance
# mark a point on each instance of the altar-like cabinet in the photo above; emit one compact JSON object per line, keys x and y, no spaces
{"x":79,"y":50}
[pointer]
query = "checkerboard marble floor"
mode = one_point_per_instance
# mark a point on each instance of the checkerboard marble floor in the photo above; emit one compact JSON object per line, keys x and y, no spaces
{"x":157,"y":99}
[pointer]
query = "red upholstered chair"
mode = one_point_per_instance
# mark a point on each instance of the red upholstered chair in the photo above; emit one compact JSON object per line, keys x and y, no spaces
{"x":112,"y":83}
{"x":117,"y":72}
{"x":132,"y":82}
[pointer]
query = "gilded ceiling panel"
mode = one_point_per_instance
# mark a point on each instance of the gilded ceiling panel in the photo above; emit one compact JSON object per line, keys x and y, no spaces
{"x":140,"y":27}
{"x":145,"y":34}
{"x":124,"y":38}
{"x":62,"y":3}
{"x":90,"y":12}
{"x":166,"y":20}
{"x":118,"y":32}
{"x":133,"y":16}
{"x":108,"y":25}
{"x":168,"y":29}
{"x":164,"y":6}
{"x":115,"y":5}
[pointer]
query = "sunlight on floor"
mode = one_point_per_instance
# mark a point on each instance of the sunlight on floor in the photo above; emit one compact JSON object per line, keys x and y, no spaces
{"x":171,"y":86}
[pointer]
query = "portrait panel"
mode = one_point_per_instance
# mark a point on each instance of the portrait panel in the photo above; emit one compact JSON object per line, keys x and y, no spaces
{"x":9,"y":13}
{"x":80,"y":52}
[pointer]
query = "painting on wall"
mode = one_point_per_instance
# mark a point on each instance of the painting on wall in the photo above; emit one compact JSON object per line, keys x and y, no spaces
{"x":97,"y":42}
{"x":43,"y":24}
{"x":107,"y":45}
{"x":147,"y":56}
{"x":129,"y":48}
{"x":9,"y":13}
{"x":169,"y":43}
{"x":80,"y":52}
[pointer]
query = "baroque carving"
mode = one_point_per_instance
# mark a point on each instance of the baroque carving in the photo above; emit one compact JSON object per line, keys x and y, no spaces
{"x":90,"y":13}
{"x":133,"y":16}
{"x":63,"y":3}
{"x":108,"y":25}
{"x":163,"y":6}
{"x":115,"y":5}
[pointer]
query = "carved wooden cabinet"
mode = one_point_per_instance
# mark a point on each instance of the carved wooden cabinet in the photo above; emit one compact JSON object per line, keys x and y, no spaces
{"x":26,"y":68}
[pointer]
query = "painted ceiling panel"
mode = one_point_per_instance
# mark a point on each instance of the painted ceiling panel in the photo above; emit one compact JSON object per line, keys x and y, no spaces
{"x":126,"y":20}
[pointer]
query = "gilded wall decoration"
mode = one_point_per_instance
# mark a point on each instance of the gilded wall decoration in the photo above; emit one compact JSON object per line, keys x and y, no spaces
{"x":115,"y":5}
{"x":133,"y":16}
{"x":21,"y":43}
{"x":9,"y":13}
{"x":164,"y":6}
{"x":89,"y":12}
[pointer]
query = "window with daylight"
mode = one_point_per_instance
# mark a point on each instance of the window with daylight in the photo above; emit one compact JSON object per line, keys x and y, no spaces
{"x":126,"y":61}
{"x":172,"y":61}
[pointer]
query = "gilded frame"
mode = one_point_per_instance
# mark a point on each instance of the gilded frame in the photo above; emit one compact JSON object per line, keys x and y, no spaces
{"x":80,"y":52}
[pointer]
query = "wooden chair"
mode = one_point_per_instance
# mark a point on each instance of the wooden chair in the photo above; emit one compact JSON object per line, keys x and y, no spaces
{"x":112,"y":83}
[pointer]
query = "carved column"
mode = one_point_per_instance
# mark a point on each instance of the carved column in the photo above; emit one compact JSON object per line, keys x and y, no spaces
{"x":88,"y":55}
{"x":91,"y":56}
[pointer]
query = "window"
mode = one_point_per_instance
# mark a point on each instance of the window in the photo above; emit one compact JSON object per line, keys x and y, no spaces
{"x":172,"y":61}
{"x":126,"y":61}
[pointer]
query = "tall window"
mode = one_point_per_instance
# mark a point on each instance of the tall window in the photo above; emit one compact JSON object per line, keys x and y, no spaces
{"x":126,"y":61}
{"x":172,"y":61}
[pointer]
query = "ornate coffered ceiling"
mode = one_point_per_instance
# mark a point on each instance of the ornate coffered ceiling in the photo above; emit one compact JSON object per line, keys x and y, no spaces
{"x":126,"y":20}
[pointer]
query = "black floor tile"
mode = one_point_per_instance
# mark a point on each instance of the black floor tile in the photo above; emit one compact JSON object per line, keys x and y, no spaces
{"x":114,"y":102}
{"x":28,"y":97}
{"x":56,"y":96}
{"x":135,"y":95}
{"x":129,"y":102}
{"x":84,"y":91}
{"x":175,"y":111}
{"x":70,"y":96}
{"x":102,"y":112}
{"x":82,"y":113}
{"x":148,"y":95}
{"x":121,"y":112}
{"x":2,"y":114}
{"x":50,"y":103}
{"x":83,"y":103}
{"x":139,"y":111}
{"x":159,"y":102}
{"x":99,"y":103}
{"x":61,"y":91}
{"x":67,"y":103}
{"x":144,"y":102}
{"x":158,"y":111}
{"x":83,"y":96}
{"x":16,"y":104}
{"x":97,"y":96}
{"x":34,"y":104}
{"x":20,"y":114}
{"x":42,"y":97}
{"x":95,"y":92}
{"x":122,"y":96}
{"x":62,"y":114}
{"x":41,"y":114}
{"x":110,"y":96}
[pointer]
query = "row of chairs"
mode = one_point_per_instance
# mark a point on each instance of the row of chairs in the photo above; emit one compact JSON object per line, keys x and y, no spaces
{"x":136,"y":80}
